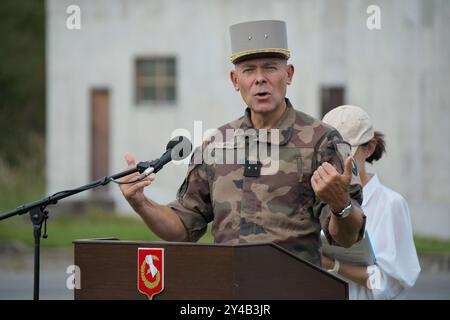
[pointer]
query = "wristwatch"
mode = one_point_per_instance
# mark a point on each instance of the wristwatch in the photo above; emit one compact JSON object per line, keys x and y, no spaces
{"x":345,"y":212}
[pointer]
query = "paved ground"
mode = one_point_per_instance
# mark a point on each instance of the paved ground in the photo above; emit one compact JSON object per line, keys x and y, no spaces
{"x":16,"y":277}
{"x":431,"y":286}
{"x":19,"y":285}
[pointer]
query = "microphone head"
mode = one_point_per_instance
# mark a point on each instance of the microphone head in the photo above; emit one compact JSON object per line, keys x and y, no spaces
{"x":180,"y":147}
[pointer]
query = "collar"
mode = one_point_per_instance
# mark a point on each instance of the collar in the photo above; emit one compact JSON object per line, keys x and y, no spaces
{"x":369,"y":188}
{"x":280,"y":134}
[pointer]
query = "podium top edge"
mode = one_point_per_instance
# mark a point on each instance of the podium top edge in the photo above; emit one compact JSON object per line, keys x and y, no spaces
{"x":117,"y":241}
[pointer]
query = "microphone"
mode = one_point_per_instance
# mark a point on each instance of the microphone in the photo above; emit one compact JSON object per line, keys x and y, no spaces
{"x":178,"y":148}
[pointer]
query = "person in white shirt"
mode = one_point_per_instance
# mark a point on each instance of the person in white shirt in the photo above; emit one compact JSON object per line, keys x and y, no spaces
{"x":388,"y":221}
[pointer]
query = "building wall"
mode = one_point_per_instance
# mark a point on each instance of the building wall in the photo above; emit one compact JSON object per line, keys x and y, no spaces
{"x":399,"y":74}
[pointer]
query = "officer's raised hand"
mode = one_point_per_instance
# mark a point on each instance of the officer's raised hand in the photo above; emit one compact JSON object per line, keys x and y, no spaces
{"x":331,"y":186}
{"x":134,"y":193}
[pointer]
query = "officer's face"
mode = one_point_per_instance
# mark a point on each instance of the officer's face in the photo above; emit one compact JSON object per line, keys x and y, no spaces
{"x":262,"y":82}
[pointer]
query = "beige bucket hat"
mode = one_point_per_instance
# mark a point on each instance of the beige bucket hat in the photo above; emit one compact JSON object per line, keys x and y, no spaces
{"x":353,"y":123}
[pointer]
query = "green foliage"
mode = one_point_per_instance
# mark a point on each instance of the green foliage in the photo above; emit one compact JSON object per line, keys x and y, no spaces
{"x":22,"y":81}
{"x":432,"y":245}
{"x":22,"y":102}
{"x":65,"y":228}
{"x":21,"y":185}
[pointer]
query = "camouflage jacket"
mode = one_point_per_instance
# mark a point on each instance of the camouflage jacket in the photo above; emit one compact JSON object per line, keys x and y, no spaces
{"x":279,"y":205}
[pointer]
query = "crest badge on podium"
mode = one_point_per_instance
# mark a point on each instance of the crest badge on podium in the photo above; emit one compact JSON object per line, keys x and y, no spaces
{"x":150,"y":270}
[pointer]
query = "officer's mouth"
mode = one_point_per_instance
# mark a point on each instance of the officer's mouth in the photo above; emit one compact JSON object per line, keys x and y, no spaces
{"x":262,"y":95}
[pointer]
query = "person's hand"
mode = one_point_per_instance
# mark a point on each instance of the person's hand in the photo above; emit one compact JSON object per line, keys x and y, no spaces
{"x":327,"y":263}
{"x":331,"y":186}
{"x":134,"y":193}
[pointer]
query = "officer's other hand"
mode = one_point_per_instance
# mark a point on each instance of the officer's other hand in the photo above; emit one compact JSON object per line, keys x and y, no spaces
{"x":134,"y":193}
{"x":331,"y":186}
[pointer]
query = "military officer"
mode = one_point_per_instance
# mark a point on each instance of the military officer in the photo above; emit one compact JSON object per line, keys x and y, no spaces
{"x":315,"y":185}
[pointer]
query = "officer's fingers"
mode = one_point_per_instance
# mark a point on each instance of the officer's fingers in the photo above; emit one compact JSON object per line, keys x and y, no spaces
{"x":315,"y":176}
{"x":347,"y":175}
{"x":329,"y":169}
{"x":150,"y":178}
{"x":317,"y":186}
{"x":138,"y":186}
{"x":147,"y":180}
{"x":313,"y":183}
{"x":323,"y":174}
{"x":316,"y":181}
{"x":134,"y":177}
{"x":131,"y":163}
{"x":129,"y":177}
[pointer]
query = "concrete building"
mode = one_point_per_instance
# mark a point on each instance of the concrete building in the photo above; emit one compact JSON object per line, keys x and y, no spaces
{"x":137,"y":70}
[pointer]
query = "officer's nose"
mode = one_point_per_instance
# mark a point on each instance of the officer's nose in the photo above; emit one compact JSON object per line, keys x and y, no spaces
{"x":260,"y":79}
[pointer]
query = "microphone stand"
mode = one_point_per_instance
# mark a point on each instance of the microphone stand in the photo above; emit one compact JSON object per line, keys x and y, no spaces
{"x":39,"y":214}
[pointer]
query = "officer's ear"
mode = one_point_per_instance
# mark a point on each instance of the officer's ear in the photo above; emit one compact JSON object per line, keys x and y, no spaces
{"x":233,"y":78}
{"x":290,"y":73}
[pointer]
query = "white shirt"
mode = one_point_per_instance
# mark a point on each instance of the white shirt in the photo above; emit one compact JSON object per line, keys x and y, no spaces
{"x":388,"y":224}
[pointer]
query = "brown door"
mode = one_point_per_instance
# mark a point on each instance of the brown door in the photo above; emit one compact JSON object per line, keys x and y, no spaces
{"x":99,"y":134}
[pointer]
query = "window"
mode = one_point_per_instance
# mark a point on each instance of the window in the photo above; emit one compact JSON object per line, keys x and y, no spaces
{"x":155,"y":80}
{"x":331,"y":97}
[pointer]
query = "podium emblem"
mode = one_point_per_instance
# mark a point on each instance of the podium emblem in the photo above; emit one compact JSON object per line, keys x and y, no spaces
{"x":150,"y":271}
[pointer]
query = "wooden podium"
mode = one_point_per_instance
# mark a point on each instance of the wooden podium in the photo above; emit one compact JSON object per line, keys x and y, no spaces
{"x":203,"y":271}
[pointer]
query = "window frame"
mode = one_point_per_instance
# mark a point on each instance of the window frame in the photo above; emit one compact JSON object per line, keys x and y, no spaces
{"x":161,"y":80}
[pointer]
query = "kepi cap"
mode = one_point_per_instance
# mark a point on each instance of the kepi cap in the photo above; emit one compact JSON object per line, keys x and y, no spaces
{"x":353,"y":123}
{"x":265,"y":38}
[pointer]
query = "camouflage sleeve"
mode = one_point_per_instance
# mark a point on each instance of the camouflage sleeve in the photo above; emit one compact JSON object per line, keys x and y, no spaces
{"x":193,"y":205}
{"x":334,"y":150}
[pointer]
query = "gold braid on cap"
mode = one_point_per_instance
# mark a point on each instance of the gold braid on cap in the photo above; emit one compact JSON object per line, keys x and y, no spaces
{"x":239,"y":54}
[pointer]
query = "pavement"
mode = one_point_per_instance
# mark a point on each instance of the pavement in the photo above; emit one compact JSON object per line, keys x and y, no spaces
{"x":16,"y":275}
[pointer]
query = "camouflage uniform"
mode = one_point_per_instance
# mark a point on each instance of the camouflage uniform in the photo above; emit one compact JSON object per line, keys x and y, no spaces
{"x":281,"y":207}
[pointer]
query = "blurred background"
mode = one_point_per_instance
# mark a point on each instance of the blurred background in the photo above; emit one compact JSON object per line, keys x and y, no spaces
{"x":83,"y":82}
